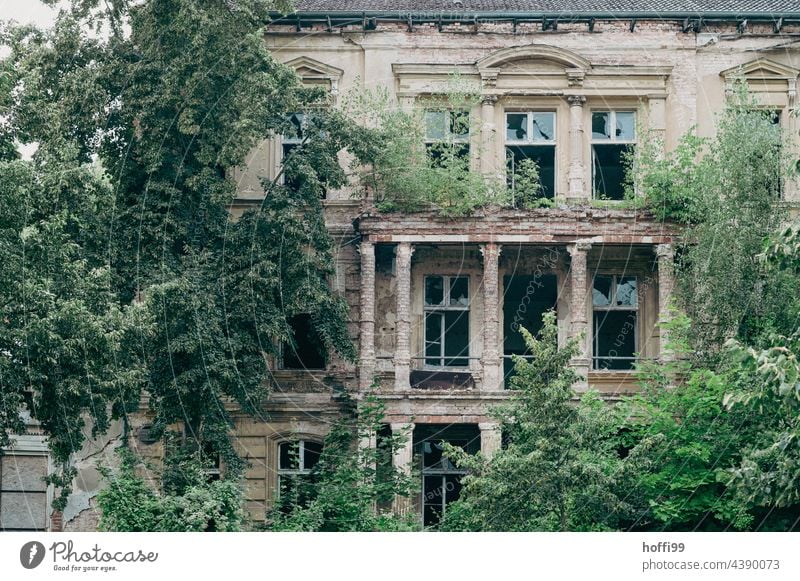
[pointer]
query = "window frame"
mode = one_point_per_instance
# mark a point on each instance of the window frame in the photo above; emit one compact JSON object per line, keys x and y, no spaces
{"x":448,"y":136}
{"x":295,"y":142}
{"x":612,"y":307}
{"x":301,"y":471}
{"x":530,"y":141}
{"x":442,"y":309}
{"x":612,"y":140}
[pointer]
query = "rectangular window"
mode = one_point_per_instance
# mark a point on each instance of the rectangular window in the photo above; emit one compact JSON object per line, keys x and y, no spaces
{"x":23,"y":492}
{"x":446,"y":321}
{"x":525,"y":300}
{"x":615,"y":327}
{"x":293,"y":142}
{"x":296,"y":460}
{"x":441,"y":479}
{"x":531,"y":136}
{"x":307,"y":351}
{"x":447,"y":134}
{"x":613,"y":137}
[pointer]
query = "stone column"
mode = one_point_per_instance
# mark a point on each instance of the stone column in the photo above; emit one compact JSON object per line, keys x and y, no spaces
{"x":402,"y":353}
{"x":577,"y":187}
{"x":492,"y":360}
{"x":579,"y":308}
{"x":490,"y":438}
{"x":488,"y":135}
{"x":366,"y":366}
{"x":666,"y":284}
{"x":401,"y":460}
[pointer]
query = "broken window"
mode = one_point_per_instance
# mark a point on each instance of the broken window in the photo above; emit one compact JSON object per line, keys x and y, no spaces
{"x":446,"y":321}
{"x":616,"y":315}
{"x":613,"y":139}
{"x":23,"y":492}
{"x":296,"y":461}
{"x":532,"y":136}
{"x":525,"y":300}
{"x":307,"y":350}
{"x":441,"y":479}
{"x":447,"y":136}
{"x":293,"y":141}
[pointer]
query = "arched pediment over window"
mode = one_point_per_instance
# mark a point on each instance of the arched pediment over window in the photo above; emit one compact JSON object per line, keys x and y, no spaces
{"x":542,"y":54}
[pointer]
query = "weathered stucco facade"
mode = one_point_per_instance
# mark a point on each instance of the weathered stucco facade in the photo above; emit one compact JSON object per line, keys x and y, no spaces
{"x":672,"y":73}
{"x":408,"y":277}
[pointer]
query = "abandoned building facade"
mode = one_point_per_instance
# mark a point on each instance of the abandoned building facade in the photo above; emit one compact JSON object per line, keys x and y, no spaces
{"x":436,"y":303}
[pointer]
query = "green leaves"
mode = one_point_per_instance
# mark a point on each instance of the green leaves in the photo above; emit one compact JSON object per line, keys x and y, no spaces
{"x":559,"y":469}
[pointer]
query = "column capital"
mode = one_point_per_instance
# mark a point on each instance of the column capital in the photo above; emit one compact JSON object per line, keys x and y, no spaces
{"x":665,"y":250}
{"x":490,"y":248}
{"x":365,"y":246}
{"x":489,"y":100}
{"x":579,"y":248}
{"x":490,"y":426}
{"x":405,"y":249}
{"x":576,"y":100}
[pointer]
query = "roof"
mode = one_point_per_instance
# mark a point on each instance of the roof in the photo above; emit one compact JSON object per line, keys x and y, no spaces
{"x":640,"y":8}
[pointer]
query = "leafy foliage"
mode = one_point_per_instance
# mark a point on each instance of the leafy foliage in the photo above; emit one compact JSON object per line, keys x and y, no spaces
{"x":560,"y":469}
{"x":351,"y":480}
{"x":726,"y":191}
{"x":124,"y":265}
{"x":129,"y":504}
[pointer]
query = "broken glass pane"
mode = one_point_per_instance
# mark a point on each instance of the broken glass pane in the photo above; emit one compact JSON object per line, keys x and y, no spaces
{"x":517,"y":127}
{"x":601,"y":293}
{"x":296,"y":119}
{"x":626,"y":291}
{"x":459,"y":125}
{"x":435,"y":125}
{"x":544,"y":126}
{"x":626,"y":126}
{"x":459,"y":291}
{"x":434,"y":291}
{"x":600,"y":125}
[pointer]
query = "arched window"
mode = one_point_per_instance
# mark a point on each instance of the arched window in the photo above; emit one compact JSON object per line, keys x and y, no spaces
{"x":296,"y":460}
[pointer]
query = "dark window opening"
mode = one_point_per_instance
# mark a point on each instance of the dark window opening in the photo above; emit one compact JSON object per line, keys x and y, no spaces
{"x":615,"y":322}
{"x":441,"y":478}
{"x":308,"y":350}
{"x":613,"y":140}
{"x":525,"y":300}
{"x":446,"y":326}
{"x":545,"y":158}
{"x":609,"y":170}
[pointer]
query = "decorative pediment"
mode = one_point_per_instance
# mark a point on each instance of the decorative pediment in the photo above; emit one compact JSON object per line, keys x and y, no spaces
{"x":314,"y":71}
{"x":529,"y":55}
{"x":762,"y":69}
{"x":764,"y":74}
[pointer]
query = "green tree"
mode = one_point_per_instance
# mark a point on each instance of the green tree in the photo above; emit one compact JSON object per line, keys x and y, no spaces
{"x":559,"y":469}
{"x":352,"y":481}
{"x":725,"y":192}
{"x":126,"y":224}
{"x":189,"y":502}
